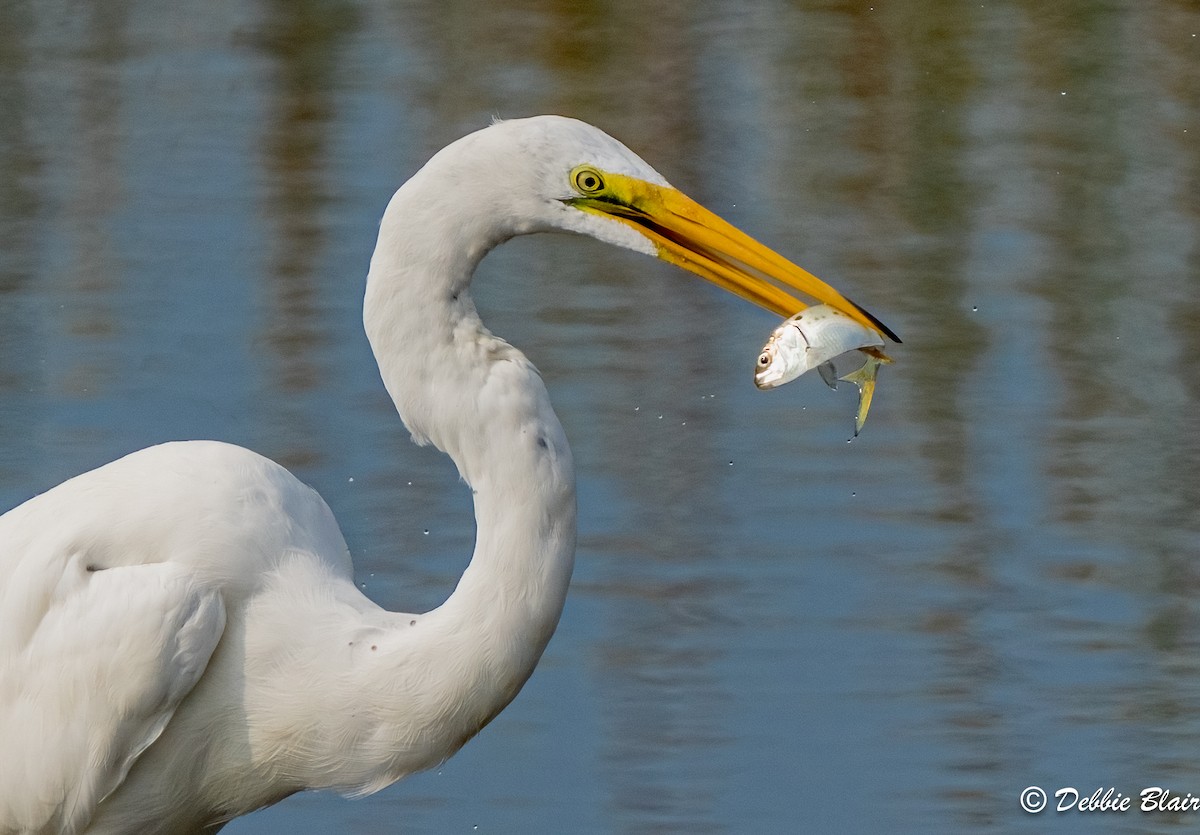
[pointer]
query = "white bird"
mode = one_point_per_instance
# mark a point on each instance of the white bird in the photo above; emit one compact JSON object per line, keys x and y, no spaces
{"x":181,"y":639}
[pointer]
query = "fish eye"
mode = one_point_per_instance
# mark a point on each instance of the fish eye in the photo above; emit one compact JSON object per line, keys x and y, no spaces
{"x":764,"y":359}
{"x":587,"y":180}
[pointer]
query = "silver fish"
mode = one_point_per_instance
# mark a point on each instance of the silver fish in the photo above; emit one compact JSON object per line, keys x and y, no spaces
{"x":814,"y":338}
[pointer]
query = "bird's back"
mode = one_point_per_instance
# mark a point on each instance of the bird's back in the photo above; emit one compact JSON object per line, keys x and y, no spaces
{"x":222,"y":510}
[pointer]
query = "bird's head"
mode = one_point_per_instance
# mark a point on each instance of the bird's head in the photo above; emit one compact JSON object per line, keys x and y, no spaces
{"x":610,"y":193}
{"x":553,"y":173}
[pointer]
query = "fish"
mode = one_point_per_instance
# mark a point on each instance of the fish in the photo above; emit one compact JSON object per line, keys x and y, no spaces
{"x":818,"y":337}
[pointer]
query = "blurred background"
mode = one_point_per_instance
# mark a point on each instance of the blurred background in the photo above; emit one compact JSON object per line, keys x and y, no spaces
{"x":770,"y":629}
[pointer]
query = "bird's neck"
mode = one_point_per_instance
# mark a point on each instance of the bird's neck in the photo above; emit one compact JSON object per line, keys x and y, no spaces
{"x":480,"y":401}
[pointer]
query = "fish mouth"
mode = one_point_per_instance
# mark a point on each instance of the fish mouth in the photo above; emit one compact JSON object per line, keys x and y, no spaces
{"x":688,"y":235}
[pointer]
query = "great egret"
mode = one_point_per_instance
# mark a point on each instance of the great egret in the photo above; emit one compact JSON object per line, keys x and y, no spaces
{"x":181,"y":639}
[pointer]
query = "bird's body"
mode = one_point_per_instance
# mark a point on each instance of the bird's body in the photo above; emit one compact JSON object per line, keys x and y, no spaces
{"x":256,"y":592}
{"x":181,"y":639}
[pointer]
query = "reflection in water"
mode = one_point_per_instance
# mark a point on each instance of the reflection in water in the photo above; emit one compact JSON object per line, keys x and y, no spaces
{"x":303,"y":39}
{"x":18,"y":156}
{"x":63,"y":222}
{"x":992,"y":587}
{"x":20,"y":204}
{"x":94,"y":268}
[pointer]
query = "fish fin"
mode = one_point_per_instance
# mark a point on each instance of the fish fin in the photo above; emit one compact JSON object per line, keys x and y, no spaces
{"x":864,"y":378}
{"x":828,"y":374}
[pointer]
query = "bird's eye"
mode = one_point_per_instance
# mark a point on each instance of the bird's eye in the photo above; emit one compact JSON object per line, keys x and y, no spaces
{"x":587,"y":180}
{"x":764,"y":359}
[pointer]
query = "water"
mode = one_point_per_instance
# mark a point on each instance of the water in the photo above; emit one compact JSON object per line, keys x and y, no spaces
{"x":769,"y":628}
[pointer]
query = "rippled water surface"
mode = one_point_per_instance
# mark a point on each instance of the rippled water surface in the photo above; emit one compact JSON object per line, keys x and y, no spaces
{"x":770,"y":629}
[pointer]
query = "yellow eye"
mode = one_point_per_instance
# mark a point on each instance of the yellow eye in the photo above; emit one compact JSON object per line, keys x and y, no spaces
{"x":587,"y":180}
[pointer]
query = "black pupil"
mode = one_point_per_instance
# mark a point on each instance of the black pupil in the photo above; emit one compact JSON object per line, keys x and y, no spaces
{"x":589,"y":182}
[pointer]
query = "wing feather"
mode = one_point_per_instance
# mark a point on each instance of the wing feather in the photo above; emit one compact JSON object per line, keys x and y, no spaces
{"x":93,"y":664}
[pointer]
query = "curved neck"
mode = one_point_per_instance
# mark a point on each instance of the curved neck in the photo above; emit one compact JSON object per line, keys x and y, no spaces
{"x":481,"y":402}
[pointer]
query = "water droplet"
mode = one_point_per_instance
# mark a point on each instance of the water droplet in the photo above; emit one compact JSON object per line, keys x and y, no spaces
{"x":351,"y":479}
{"x":426,"y":531}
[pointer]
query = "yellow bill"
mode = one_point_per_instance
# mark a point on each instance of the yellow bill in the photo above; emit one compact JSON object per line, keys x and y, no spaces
{"x":692,"y":237}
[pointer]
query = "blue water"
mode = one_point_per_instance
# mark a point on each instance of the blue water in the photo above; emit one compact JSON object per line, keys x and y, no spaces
{"x":770,"y":629}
